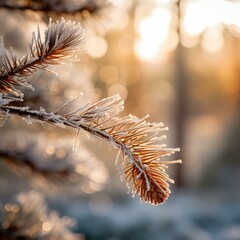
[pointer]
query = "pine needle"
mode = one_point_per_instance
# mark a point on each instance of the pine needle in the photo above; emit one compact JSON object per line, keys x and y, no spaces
{"x":62,"y":43}
{"x":141,"y":165}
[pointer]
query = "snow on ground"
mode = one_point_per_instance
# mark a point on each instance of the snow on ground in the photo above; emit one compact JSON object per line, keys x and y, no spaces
{"x":184,"y":216}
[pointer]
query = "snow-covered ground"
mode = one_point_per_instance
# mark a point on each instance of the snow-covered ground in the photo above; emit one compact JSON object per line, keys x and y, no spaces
{"x":185,"y":216}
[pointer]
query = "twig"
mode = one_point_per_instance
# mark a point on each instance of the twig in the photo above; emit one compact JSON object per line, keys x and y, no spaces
{"x":141,"y":167}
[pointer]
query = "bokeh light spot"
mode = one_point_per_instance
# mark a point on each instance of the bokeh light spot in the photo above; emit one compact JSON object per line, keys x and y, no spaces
{"x":118,"y":89}
{"x":97,"y":46}
{"x":50,"y":149}
{"x":212,"y":40}
{"x":46,"y":226}
{"x":109,"y":74}
{"x":98,"y":176}
{"x":193,"y":22}
{"x":129,"y":74}
{"x":125,"y":44}
{"x":154,"y":31}
{"x":162,"y":89}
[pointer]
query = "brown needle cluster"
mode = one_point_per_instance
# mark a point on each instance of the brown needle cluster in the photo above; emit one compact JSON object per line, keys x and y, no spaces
{"x":139,"y":141}
{"x":63,"y":40}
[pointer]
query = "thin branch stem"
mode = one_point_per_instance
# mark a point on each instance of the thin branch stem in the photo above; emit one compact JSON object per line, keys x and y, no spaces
{"x":89,"y":7}
{"x":19,"y":159}
{"x":141,"y":167}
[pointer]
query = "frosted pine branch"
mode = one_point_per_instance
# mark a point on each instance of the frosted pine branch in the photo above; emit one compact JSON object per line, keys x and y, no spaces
{"x":140,"y":164}
{"x":82,"y":7}
{"x":62,"y":43}
{"x":26,"y":160}
{"x":140,"y":154}
{"x":62,"y":169}
{"x":97,"y":16}
{"x":27,"y":217}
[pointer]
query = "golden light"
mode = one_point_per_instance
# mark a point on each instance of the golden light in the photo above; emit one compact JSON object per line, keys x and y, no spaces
{"x":122,"y":19}
{"x":212,"y":40}
{"x":118,"y":88}
{"x":162,"y":89}
{"x":153,"y":31}
{"x":202,"y":22}
{"x":99,"y":176}
{"x":208,"y":18}
{"x":109,"y":74}
{"x":60,"y":153}
{"x":156,"y":25}
{"x":146,"y":49}
{"x":129,"y":74}
{"x":118,"y":16}
{"x":46,"y":226}
{"x":95,"y":186}
{"x":50,"y":149}
{"x":189,"y":41}
{"x":125,"y":44}
{"x":84,"y":170}
{"x":232,"y":13}
{"x":193,"y":22}
{"x":201,"y":14}
{"x":97,"y":46}
{"x":172,"y":40}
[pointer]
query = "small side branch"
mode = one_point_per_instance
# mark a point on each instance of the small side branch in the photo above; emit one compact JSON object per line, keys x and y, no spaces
{"x":23,"y":160}
{"x":141,"y":166}
{"x":62,"y":43}
{"x":65,"y":7}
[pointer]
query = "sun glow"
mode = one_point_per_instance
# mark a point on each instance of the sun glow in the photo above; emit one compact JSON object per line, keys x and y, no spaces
{"x":153,"y":31}
{"x":202,"y":22}
{"x":208,"y":18}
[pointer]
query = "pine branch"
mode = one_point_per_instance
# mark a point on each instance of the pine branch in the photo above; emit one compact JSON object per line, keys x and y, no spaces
{"x":82,"y":7}
{"x":63,"y":41}
{"x":28,"y":217}
{"x":5,"y":100}
{"x":62,"y":169}
{"x":25,"y":160}
{"x":137,"y":140}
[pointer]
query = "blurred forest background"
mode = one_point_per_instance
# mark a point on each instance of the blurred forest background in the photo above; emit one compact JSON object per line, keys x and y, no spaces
{"x":178,"y":61}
